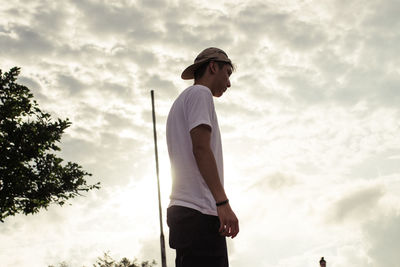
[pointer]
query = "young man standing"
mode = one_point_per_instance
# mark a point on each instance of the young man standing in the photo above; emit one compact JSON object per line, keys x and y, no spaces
{"x":199,"y":215}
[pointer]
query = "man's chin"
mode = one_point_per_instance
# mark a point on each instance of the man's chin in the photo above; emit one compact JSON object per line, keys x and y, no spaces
{"x":218,"y":94}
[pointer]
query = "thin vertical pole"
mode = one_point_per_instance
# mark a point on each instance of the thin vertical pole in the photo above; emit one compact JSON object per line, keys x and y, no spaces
{"x":162,"y":240}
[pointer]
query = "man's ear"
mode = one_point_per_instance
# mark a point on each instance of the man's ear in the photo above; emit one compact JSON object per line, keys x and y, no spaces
{"x":213,"y":67}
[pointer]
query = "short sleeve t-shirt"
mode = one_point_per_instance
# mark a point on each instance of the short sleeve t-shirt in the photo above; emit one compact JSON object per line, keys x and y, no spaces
{"x":193,"y":107}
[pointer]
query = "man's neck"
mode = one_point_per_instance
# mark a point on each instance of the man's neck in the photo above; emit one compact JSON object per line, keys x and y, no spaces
{"x":205,"y":83}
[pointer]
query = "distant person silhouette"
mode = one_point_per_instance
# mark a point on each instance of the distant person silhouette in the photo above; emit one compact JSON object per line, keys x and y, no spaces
{"x":322,"y":262}
{"x":199,"y":215}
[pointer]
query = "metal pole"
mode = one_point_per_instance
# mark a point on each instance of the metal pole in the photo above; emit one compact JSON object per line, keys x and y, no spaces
{"x":162,"y":241}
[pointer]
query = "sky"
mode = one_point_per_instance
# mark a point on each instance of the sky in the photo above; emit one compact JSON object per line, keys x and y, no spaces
{"x":310,"y":126}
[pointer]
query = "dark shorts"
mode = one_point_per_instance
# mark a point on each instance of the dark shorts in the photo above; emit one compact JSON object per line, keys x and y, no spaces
{"x":196,"y":239}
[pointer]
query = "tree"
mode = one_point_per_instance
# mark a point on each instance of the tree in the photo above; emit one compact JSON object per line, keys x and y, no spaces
{"x":31,"y":175}
{"x":108,"y":261}
{"x":61,"y":264}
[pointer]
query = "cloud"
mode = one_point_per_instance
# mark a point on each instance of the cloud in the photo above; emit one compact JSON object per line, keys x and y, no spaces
{"x":275,"y":181}
{"x":23,"y":41}
{"x":132,"y":54}
{"x":70,"y":83}
{"x":385,"y":18}
{"x":32,"y":84}
{"x":165,"y":88}
{"x":383,"y":235}
{"x":121,"y":159}
{"x":378,"y":164}
{"x":358,"y":204}
{"x":110,"y":19}
{"x":279,"y":26}
{"x":320,"y":65}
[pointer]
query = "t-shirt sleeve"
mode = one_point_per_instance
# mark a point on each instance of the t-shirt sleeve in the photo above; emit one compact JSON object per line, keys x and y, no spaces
{"x":199,"y":108}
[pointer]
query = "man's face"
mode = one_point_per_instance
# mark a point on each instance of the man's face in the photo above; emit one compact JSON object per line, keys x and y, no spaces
{"x":222,"y":82}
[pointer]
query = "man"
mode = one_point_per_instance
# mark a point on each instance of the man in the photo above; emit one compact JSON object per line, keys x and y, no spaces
{"x":199,"y":215}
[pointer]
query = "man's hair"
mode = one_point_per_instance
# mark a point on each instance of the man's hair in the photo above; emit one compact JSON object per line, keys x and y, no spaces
{"x":199,"y":72}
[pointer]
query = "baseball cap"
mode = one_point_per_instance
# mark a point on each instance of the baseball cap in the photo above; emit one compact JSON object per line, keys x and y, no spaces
{"x":208,"y":54}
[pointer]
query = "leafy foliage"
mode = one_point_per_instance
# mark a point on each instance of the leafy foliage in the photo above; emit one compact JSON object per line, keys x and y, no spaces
{"x":108,"y":261}
{"x":31,"y":176}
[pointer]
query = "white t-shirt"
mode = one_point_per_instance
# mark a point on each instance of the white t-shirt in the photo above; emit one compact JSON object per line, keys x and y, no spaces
{"x":194,"y":106}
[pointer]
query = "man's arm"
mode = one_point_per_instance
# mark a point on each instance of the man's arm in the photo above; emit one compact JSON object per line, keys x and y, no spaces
{"x":201,"y":136}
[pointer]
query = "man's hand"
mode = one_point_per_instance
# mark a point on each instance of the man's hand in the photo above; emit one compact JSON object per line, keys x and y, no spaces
{"x":228,"y":220}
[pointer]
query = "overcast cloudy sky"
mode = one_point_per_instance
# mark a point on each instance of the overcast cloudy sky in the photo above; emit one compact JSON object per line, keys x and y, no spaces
{"x":310,"y":126}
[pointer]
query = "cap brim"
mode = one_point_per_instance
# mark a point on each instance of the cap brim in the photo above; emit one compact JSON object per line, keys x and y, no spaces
{"x":188,"y":73}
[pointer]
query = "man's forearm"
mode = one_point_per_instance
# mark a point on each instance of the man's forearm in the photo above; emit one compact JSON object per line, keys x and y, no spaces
{"x":229,"y":224}
{"x":208,"y":169}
